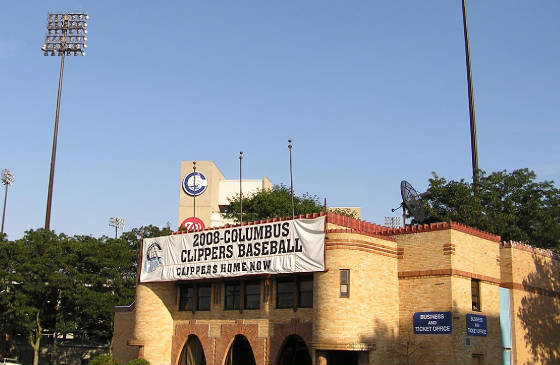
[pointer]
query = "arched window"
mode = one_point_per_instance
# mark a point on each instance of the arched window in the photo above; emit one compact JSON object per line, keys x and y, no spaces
{"x":192,"y":353}
{"x":294,"y":352}
{"x":240,"y":352}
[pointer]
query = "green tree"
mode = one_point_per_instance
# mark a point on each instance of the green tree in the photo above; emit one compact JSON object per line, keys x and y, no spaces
{"x":133,"y":236}
{"x":33,"y":284}
{"x":104,"y":276}
{"x":273,"y":203}
{"x":512,"y":205}
{"x":58,"y":284}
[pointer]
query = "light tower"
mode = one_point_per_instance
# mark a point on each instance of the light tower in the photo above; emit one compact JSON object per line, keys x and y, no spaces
{"x":66,"y":36}
{"x":118,"y":223}
{"x":7,"y":180}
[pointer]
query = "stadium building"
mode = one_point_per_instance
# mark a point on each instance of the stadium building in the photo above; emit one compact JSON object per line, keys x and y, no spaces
{"x":330,"y":289}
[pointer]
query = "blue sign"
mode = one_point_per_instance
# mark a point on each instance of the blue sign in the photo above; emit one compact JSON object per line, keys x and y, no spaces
{"x":195,"y":183}
{"x":432,"y":323}
{"x":476,"y":325}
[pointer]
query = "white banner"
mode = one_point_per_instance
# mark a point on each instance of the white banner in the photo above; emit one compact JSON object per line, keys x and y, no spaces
{"x":271,"y":248}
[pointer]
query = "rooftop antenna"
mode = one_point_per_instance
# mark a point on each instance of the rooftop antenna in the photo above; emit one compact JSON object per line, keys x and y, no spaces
{"x":412,"y":202}
{"x":240,"y":190}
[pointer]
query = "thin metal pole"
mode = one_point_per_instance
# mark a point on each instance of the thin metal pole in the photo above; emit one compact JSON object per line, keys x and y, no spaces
{"x":403,"y":216}
{"x":194,"y":191}
{"x":474,"y":150}
{"x":116,"y":228}
{"x":53,"y":156}
{"x":240,"y":189}
{"x":4,"y":212}
{"x":291,"y":179}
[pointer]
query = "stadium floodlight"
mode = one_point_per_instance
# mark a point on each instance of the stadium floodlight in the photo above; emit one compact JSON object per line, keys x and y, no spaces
{"x":7,"y":180}
{"x":66,"y":36}
{"x":118,"y":223}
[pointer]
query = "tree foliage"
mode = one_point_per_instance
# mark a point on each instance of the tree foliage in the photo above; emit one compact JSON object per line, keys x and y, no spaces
{"x":512,"y":205}
{"x":53,"y":283}
{"x":272,"y":203}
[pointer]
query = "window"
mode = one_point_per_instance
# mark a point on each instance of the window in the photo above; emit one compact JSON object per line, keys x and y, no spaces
{"x":194,"y":293}
{"x":233,"y":295}
{"x":305,"y":291}
{"x":285,"y":293}
{"x":203,"y":302}
{"x":186,"y":297}
{"x":296,"y":291}
{"x":344,"y":283}
{"x":252,"y":294}
{"x":475,"y":294}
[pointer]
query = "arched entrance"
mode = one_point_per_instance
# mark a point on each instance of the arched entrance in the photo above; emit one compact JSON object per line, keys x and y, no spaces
{"x":294,"y":352}
{"x":240,"y":352}
{"x":192,"y":353}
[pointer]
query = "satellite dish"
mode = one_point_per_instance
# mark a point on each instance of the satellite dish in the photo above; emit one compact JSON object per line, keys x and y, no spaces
{"x":412,"y":201}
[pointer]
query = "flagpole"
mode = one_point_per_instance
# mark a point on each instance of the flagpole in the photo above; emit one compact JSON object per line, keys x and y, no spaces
{"x":194,"y":191}
{"x":291,"y":179}
{"x":240,"y":190}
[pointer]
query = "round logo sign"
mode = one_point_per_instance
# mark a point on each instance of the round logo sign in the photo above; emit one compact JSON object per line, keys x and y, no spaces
{"x":195,"y":183}
{"x":193,"y":224}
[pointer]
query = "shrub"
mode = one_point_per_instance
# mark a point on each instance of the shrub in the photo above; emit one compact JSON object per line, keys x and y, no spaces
{"x":139,"y":361}
{"x":103,"y":359}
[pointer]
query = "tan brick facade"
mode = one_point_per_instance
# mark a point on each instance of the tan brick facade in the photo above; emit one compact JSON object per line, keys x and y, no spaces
{"x":394,"y":273}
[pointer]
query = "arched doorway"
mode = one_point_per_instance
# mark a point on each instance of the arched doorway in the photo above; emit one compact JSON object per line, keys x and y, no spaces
{"x":294,"y":352}
{"x":193,"y":353}
{"x":240,"y":352}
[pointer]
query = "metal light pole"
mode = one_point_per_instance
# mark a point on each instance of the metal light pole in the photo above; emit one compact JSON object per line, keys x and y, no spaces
{"x":118,"y":223}
{"x":474,"y":149}
{"x":7,"y":180}
{"x":194,"y":190}
{"x":66,"y":36}
{"x":291,"y":179}
{"x":240,"y":190}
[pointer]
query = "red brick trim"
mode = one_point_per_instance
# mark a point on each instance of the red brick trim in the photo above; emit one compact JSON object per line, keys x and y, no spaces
{"x":370,"y":234}
{"x":362,"y":243}
{"x":283,"y":330}
{"x":531,"y":289}
{"x":440,"y":227}
{"x":181,"y":335}
{"x":448,"y":272}
{"x":525,"y":247}
{"x":449,"y":249}
{"x":358,"y":248}
{"x":270,"y":220}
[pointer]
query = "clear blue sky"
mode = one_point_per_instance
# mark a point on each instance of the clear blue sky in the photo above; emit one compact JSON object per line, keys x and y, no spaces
{"x":371,"y":92}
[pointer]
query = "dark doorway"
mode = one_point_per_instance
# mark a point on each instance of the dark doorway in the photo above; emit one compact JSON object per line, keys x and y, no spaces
{"x":294,"y":352}
{"x":192,"y":353}
{"x":342,"y":357}
{"x":240,"y":352}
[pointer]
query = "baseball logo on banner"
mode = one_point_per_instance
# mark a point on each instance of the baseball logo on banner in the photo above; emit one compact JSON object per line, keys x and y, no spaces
{"x":195,"y":183}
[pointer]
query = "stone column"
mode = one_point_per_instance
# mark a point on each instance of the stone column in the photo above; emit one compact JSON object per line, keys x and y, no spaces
{"x":153,"y":328}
